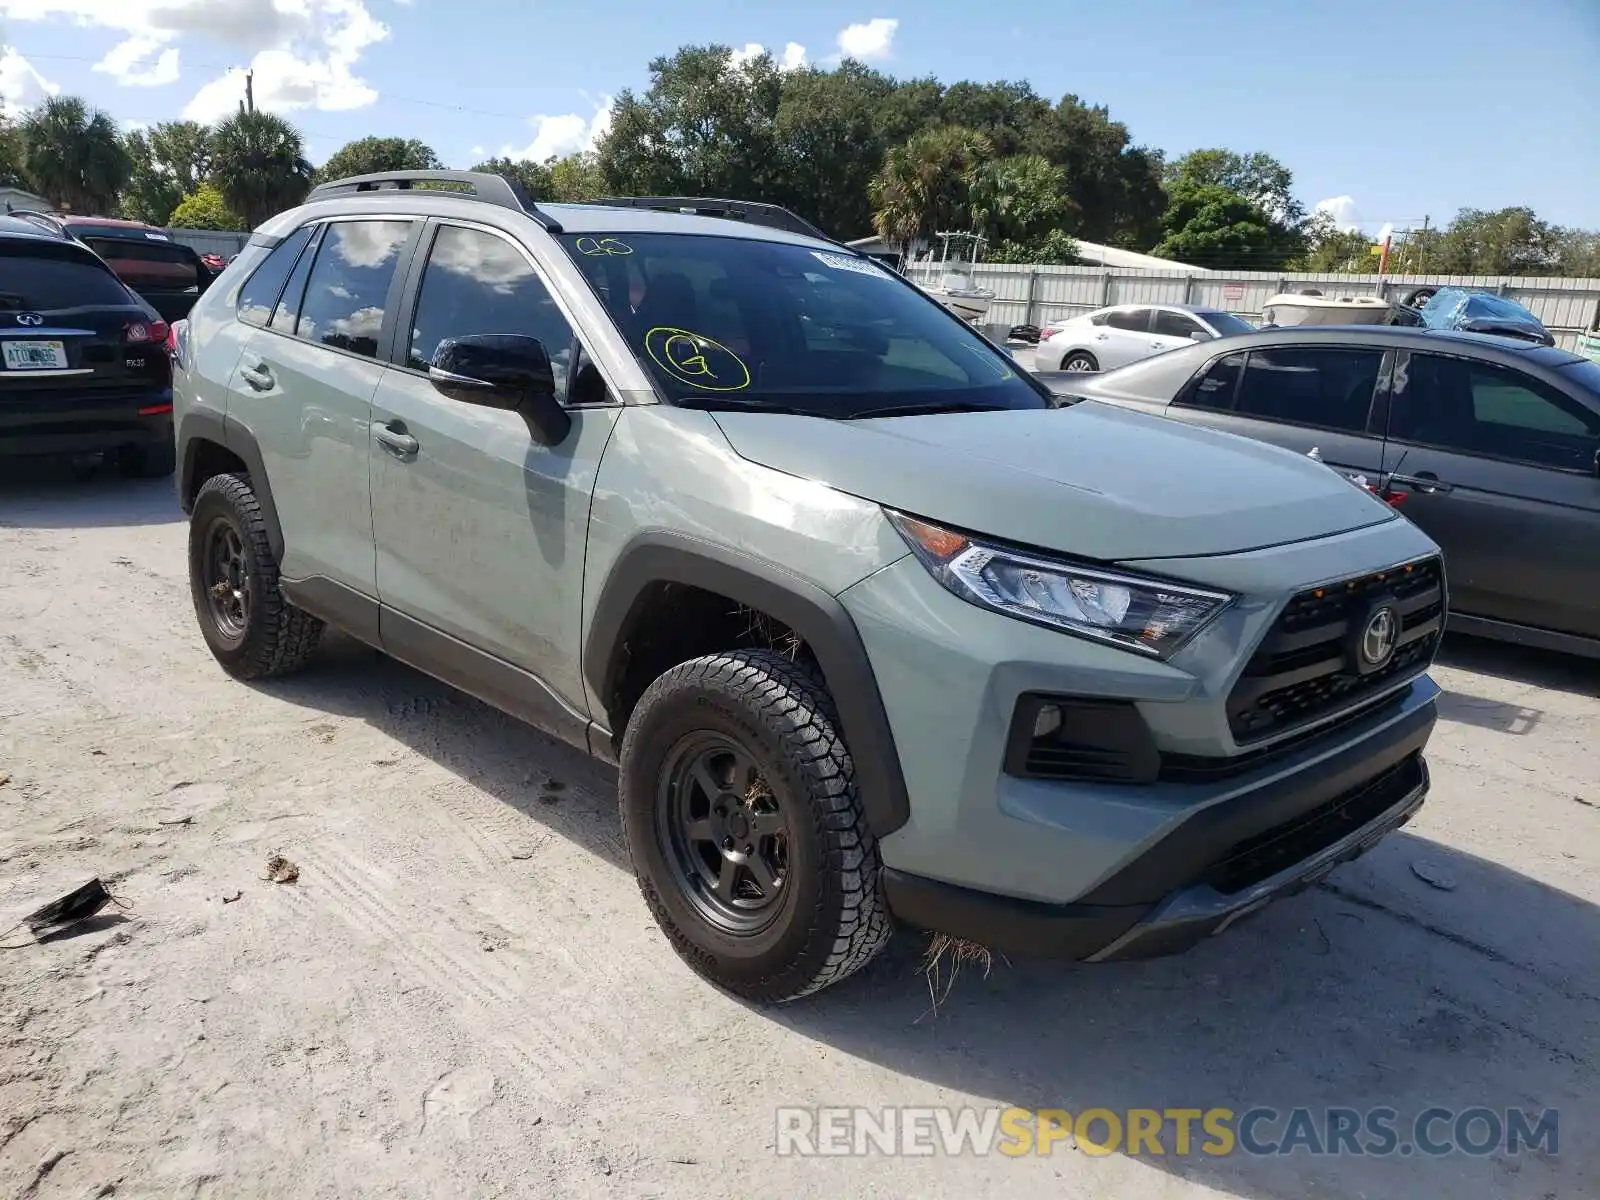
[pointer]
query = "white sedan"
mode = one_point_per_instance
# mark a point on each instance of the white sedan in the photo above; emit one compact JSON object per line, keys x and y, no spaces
{"x":1113,"y":337}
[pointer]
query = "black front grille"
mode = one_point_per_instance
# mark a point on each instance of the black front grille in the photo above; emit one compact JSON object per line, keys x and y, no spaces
{"x":1263,"y":856}
{"x":1305,"y":668}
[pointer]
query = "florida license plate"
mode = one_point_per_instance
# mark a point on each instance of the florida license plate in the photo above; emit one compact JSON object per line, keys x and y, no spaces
{"x":35,"y":356}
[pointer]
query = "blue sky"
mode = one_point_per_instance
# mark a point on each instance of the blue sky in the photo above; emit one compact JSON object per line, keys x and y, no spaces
{"x":1392,"y":110}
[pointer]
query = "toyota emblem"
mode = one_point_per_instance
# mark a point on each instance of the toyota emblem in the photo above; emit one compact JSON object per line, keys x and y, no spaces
{"x":29,"y":319}
{"x":1379,"y":637}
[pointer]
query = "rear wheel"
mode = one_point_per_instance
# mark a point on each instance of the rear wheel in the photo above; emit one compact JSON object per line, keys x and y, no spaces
{"x":1079,"y":360}
{"x":742,"y":820}
{"x":251,"y":629}
{"x":155,"y":461}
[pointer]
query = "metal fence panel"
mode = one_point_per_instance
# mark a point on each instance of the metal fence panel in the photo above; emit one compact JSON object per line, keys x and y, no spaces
{"x":1027,"y":295}
{"x":210,"y":241}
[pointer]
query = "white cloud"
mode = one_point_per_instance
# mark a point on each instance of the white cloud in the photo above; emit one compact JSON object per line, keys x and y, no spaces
{"x":792,"y":58}
{"x":868,"y":40}
{"x":1342,"y":209}
{"x":559,"y":136}
{"x":141,"y":61}
{"x":304,"y":52}
{"x":1386,"y":232}
{"x":21,"y":85}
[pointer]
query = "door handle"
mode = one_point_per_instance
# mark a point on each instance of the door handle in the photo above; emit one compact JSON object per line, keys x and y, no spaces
{"x":392,"y":436}
{"x":1425,"y":482}
{"x":258,"y":377}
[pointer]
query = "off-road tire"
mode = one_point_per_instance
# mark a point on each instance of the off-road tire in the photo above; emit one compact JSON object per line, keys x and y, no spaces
{"x":155,"y":461}
{"x":1082,"y":356}
{"x":833,"y":918}
{"x":278,"y":638}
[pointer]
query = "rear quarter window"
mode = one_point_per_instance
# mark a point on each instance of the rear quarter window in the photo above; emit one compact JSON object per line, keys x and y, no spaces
{"x":46,"y":279}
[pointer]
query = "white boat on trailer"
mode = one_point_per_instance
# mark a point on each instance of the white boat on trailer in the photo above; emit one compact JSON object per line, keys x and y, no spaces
{"x":957,"y":290}
{"x":1311,"y":307}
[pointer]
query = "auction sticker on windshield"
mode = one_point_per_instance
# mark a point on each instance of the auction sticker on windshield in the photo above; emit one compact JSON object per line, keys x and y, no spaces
{"x":36,"y":356}
{"x":843,"y":262}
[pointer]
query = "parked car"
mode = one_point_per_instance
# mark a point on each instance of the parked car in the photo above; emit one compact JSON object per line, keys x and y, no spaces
{"x":1490,"y":445}
{"x":1109,"y":338}
{"x":168,"y":274}
{"x":85,"y":366}
{"x":1473,"y":310}
{"x":875,"y":633}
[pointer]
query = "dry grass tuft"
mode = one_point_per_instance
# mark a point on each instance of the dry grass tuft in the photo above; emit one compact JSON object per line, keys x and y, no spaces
{"x":959,"y":953}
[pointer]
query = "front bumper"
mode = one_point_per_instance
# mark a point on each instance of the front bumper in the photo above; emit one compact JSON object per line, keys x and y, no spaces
{"x":1222,"y":864}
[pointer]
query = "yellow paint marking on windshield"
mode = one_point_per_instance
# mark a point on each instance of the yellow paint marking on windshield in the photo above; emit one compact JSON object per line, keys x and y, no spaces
{"x":696,"y":360}
{"x":603,"y":247}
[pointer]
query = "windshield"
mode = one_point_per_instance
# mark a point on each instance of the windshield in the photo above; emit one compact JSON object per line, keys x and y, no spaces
{"x":740,"y":323}
{"x":1226,"y":324}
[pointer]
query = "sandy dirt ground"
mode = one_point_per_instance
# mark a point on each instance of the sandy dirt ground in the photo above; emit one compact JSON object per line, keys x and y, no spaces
{"x":462,"y":995}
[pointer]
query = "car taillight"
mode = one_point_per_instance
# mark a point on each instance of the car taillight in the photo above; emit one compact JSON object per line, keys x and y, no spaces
{"x":144,"y":332}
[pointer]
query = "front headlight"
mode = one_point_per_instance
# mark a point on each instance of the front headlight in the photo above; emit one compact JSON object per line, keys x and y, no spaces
{"x":1148,"y":615}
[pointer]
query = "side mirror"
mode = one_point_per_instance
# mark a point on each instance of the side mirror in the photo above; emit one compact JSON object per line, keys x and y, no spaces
{"x":1200,"y":335}
{"x":508,"y":371}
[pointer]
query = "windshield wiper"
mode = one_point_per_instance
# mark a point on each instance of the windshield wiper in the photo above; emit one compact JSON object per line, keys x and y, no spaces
{"x":923,"y":410}
{"x":741,"y":404}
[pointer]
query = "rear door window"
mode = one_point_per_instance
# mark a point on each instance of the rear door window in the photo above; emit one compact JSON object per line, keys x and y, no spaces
{"x":349,"y":285}
{"x":1134,"y":320}
{"x":44,"y":279}
{"x":1329,"y":388}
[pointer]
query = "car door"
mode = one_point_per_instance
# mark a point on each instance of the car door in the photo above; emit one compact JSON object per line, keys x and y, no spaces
{"x":1498,"y":467}
{"x":1124,"y":338}
{"x":1170,"y":329}
{"x":303,"y":386}
{"x":1303,"y":398}
{"x":480,"y":528}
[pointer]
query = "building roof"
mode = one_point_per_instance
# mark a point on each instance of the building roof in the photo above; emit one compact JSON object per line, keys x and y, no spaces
{"x":1090,"y":253}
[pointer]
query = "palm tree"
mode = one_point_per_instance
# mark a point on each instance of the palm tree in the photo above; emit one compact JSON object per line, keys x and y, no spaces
{"x":925,"y":185}
{"x":73,"y":156}
{"x":258,"y":163}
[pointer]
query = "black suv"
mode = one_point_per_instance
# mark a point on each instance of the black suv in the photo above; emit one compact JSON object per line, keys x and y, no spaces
{"x":83,"y":359}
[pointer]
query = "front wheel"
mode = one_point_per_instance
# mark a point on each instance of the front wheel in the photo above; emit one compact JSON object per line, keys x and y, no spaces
{"x":745,"y":829}
{"x":1079,"y":360}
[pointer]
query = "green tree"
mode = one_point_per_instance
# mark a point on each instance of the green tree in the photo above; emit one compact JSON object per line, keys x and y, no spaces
{"x":831,"y":138}
{"x":1020,"y":199}
{"x":1208,"y":225}
{"x":925,"y":186}
{"x":204,"y":208}
{"x":1056,"y":248}
{"x":1578,"y":253}
{"x":73,"y":156}
{"x":1508,"y":241}
{"x":259,"y":165}
{"x":703,"y":127}
{"x":1115,"y":184}
{"x":534,"y":177}
{"x":1330,"y":249}
{"x":576,"y":177}
{"x":11,"y":160}
{"x":167,"y":164}
{"x":369,"y":155}
{"x":1258,"y":177}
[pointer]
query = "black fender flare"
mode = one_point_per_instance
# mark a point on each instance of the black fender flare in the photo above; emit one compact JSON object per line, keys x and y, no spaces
{"x":199,"y":426}
{"x":657,"y":556}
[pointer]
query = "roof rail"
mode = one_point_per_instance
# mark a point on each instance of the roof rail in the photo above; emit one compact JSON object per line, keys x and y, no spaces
{"x":51,"y":222}
{"x":755,"y":212}
{"x":499,"y":190}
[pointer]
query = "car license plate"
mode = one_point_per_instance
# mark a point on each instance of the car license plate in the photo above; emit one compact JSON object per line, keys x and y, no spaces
{"x":36,"y":356}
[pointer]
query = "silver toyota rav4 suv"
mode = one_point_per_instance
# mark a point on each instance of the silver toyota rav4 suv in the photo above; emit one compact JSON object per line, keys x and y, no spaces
{"x":874,"y":632}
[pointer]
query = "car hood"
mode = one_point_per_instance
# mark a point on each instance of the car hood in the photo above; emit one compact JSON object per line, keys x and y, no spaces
{"x":1094,"y":481}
